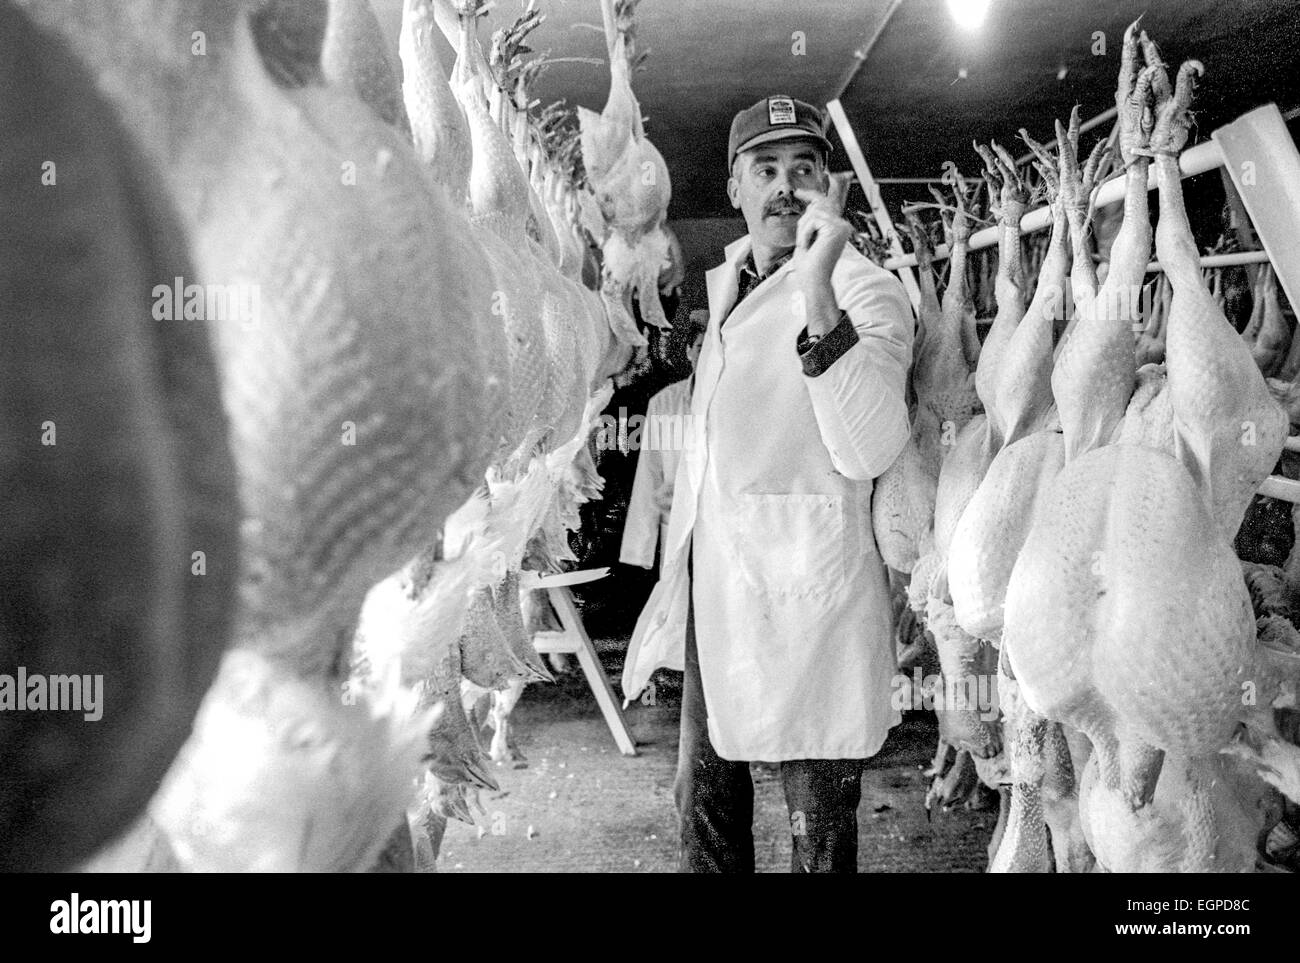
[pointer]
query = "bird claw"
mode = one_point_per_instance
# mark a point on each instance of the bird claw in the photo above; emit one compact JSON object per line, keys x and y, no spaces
{"x":1153,"y":115}
{"x":1133,"y":92}
{"x":1008,"y":194}
{"x":1065,"y":178}
{"x":1040,"y":151}
{"x":956,"y":217}
{"x":1172,"y":110}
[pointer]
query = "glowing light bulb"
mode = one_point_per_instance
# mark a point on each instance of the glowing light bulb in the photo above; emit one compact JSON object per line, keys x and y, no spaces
{"x":969,"y":14}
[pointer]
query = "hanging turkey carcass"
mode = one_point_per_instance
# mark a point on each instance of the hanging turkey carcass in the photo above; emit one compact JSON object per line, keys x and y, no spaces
{"x":993,"y":525}
{"x":541,"y":473}
{"x":364,"y":405}
{"x":903,"y":499}
{"x":630,"y":181}
{"x":1099,"y":628}
{"x":119,"y":539}
{"x":963,"y":656}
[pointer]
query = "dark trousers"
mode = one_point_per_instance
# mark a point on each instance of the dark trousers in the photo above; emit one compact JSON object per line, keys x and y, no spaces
{"x":715,"y":798}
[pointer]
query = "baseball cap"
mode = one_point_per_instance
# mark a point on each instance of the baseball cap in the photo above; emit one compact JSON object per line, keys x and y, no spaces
{"x":776,"y":118}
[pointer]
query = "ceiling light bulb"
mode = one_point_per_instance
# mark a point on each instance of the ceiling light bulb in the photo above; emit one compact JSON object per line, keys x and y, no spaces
{"x":969,"y":14}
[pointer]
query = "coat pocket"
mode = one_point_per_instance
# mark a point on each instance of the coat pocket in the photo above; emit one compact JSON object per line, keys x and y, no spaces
{"x":791,"y":546}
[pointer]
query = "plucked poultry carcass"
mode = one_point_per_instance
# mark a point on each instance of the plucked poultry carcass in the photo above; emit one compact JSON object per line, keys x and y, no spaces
{"x":1150,"y":339}
{"x":1269,"y":743}
{"x":629,"y":178}
{"x":979,"y":441}
{"x":942,"y":376}
{"x":1099,"y":628}
{"x":962,"y":655}
{"x":902,"y":499}
{"x":994,"y":524}
{"x":1008,"y":202}
{"x":1290,"y":366}
{"x":119,"y":544}
{"x":943,"y":383}
{"x":365,"y":404}
{"x":943,"y":372}
{"x":343,"y":460}
{"x":540,"y":474}
{"x":439,"y":128}
{"x":353,"y":56}
{"x":1271,"y":344}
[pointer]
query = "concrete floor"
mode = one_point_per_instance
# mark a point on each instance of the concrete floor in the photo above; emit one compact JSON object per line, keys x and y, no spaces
{"x":581,"y":806}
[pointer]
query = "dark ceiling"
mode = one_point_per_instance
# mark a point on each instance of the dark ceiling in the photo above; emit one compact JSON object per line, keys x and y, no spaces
{"x":909,"y":105}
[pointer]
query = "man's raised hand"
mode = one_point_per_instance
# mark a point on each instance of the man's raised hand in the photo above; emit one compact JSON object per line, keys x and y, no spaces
{"x":822,"y":231}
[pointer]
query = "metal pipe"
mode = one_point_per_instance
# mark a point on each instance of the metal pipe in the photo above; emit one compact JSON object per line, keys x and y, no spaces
{"x":1222,"y":260}
{"x":1260,"y":157}
{"x":1286,"y":489}
{"x":868,"y":184}
{"x":860,"y":55}
{"x":611,"y":27}
{"x":1195,"y":160}
{"x":908,"y":180}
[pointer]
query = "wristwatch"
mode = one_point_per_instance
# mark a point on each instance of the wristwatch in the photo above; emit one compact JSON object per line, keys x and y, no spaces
{"x":807,"y":340}
{"x":817,"y":352}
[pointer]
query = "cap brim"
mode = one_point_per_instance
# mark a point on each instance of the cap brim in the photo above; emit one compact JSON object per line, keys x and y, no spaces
{"x":794,"y":133}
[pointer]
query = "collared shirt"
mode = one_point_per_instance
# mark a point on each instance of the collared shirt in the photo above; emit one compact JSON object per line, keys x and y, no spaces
{"x":750,"y":278}
{"x":817,"y":354}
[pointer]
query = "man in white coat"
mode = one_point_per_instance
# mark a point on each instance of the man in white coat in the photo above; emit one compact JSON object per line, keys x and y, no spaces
{"x":661,"y":437}
{"x":773,"y":596}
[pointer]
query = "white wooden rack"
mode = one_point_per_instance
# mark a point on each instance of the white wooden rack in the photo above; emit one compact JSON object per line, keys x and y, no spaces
{"x":572,"y":639}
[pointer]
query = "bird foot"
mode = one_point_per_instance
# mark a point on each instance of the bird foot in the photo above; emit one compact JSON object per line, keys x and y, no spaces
{"x":1172,"y":107}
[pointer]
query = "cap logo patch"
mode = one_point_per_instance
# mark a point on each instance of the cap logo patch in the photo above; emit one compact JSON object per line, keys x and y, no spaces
{"x":780,"y":110}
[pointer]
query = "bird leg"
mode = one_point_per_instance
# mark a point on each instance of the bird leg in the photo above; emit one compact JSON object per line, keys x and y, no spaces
{"x":955,"y":786}
{"x":428,"y":842}
{"x":1061,"y":804}
{"x":503,"y":746}
{"x":939,"y":764}
{"x":966,"y":661}
{"x":1000,"y":830}
{"x":1023,"y":847}
{"x":1008,"y":199}
{"x":1139,"y":771}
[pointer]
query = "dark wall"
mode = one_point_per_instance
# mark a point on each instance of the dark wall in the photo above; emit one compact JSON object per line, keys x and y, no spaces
{"x":703,"y":240}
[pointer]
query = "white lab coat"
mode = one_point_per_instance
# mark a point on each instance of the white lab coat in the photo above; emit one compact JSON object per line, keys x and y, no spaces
{"x":660,"y":439}
{"x":792,"y":614}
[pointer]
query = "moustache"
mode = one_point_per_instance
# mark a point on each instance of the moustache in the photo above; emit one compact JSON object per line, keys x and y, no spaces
{"x":784,"y":205}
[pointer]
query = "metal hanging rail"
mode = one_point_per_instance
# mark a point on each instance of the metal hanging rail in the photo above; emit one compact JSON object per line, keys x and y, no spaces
{"x":1195,"y":160}
{"x":1250,"y":136}
{"x":1222,"y":260}
{"x":860,"y":55}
